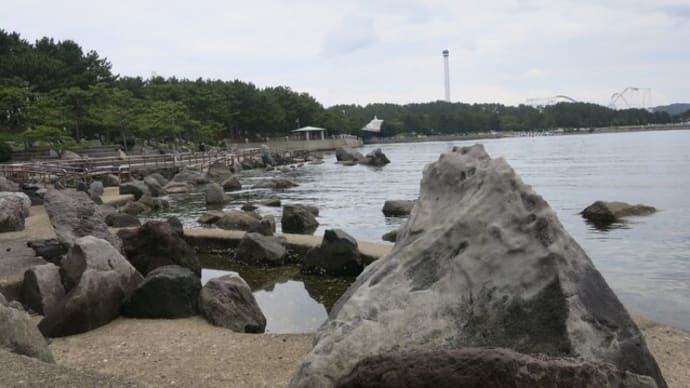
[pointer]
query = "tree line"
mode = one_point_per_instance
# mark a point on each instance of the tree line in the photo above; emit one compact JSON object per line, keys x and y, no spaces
{"x":55,"y":92}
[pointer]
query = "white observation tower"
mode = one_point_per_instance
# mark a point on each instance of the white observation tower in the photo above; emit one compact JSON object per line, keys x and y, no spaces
{"x":446,"y":74}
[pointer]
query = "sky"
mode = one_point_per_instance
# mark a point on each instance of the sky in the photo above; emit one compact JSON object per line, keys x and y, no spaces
{"x":359,"y":52}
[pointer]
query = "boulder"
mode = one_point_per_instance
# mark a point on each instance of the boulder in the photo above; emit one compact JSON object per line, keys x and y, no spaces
{"x":218,"y":172}
{"x":21,"y":198}
{"x":298,"y":219}
{"x":210,"y":217}
{"x":157,"y":244}
{"x":238,"y":220}
{"x":135,"y":208}
{"x":159,"y":178}
{"x":257,"y":249}
{"x":111,"y":180}
{"x":266,"y":156}
{"x":97,"y":254}
{"x":266,"y":226}
{"x":135,"y":187}
{"x":231,"y":184}
{"x":154,"y":187}
{"x":121,"y":155}
{"x":271,"y":202}
{"x":18,"y":334}
{"x":485,"y":367}
{"x":338,"y":255}
{"x":608,"y":212}
{"x":191,"y":176}
{"x":228,"y":302}
{"x":12,"y":214}
{"x":249,"y":207}
{"x":152,"y":203}
{"x":482,"y":262}
{"x":96,"y":191}
{"x":177,"y":188}
{"x":50,"y":249}
{"x":69,"y":155}
{"x":390,"y":236}
{"x":35,"y":193}
{"x":8,"y":185}
{"x":347,"y":155}
{"x":375,"y":158}
{"x":275,"y":183}
{"x":398,"y":207}
{"x":95,"y":301}
{"x":214,"y":194}
{"x":42,"y":288}
{"x":170,"y":291}
{"x":121,"y":220}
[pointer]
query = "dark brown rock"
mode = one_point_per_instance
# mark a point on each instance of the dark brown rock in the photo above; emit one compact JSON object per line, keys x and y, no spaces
{"x":228,"y":302}
{"x":170,"y":291}
{"x":298,"y":219}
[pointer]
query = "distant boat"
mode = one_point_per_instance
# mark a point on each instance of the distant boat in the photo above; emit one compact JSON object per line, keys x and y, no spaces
{"x":373,"y":126}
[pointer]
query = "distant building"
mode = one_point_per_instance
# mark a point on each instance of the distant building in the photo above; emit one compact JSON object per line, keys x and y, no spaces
{"x":311,"y":133}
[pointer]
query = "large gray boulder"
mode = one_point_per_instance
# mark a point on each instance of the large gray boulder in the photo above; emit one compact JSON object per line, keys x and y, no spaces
{"x":96,"y":191}
{"x":18,"y":334}
{"x":482,"y":262}
{"x":228,"y":302}
{"x":218,"y":172}
{"x":74,"y":215}
{"x":157,"y":244}
{"x":257,"y":249}
{"x":12,"y":213}
{"x":210,"y":217}
{"x":95,"y":301}
{"x":298,"y":219}
{"x":97,"y":254}
{"x":191,"y":176}
{"x":8,"y":185}
{"x":154,"y":186}
{"x":266,"y":226}
{"x":608,"y":212}
{"x":111,"y":180}
{"x":134,"y":187}
{"x":238,"y":220}
{"x":348,"y":155}
{"x":170,"y":291}
{"x":231,"y":184}
{"x":42,"y":288}
{"x":485,"y":367}
{"x":122,"y":220}
{"x":21,"y":198}
{"x":398,"y":207}
{"x":337,"y":255}
{"x":159,"y":178}
{"x":214,"y":194}
{"x":375,"y":158}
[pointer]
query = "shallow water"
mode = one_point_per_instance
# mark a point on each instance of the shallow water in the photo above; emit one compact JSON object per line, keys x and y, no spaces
{"x":645,"y":260}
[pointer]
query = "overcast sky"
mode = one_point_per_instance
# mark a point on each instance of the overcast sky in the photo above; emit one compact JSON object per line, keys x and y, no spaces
{"x":386,"y":51}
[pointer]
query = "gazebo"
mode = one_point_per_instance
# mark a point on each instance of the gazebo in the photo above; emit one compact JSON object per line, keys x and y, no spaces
{"x":307,"y":131}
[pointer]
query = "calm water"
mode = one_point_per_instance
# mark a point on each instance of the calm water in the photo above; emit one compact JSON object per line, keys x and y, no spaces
{"x":646,"y":260}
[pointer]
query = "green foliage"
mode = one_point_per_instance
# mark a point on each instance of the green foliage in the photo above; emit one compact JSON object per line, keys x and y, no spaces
{"x":5,"y":152}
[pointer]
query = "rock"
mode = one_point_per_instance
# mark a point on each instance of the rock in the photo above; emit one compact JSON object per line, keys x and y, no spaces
{"x":34,"y":192}
{"x":135,"y":208}
{"x":271,"y":202}
{"x":485,"y":367}
{"x":18,"y":334}
{"x":249,"y":207}
{"x":42,"y":288}
{"x":375,"y":158}
{"x":96,"y":191}
{"x":12,"y":213}
{"x":275,"y":183}
{"x":21,"y":198}
{"x":170,"y":291}
{"x":51,"y":249}
{"x":191,"y":176}
{"x":298,"y":219}
{"x":111,"y":180}
{"x":177,"y":188}
{"x":347,"y":155}
{"x":134,"y":187}
{"x":214,"y":194}
{"x":237,"y":220}
{"x":390,"y":236}
{"x":95,"y":301}
{"x":157,"y":244}
{"x":257,"y":249}
{"x":69,"y":155}
{"x":398,"y":207}
{"x":608,"y":212}
{"x":154,"y":187}
{"x":312,"y":209}
{"x":349,"y":163}
{"x":3,"y":301}
{"x":337,"y":256}
{"x":218,"y":172}
{"x":210,"y":217}
{"x":228,"y":302}
{"x":231,"y":184}
{"x":155,"y":204}
{"x":160,"y":179}
{"x":176,"y":225}
{"x":97,"y":254}
{"x":266,"y":226}
{"x":266,"y":156}
{"x":482,"y":262}
{"x":316,"y":162}
{"x":121,"y":220}
{"x":74,"y":215}
{"x":8,"y":185}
